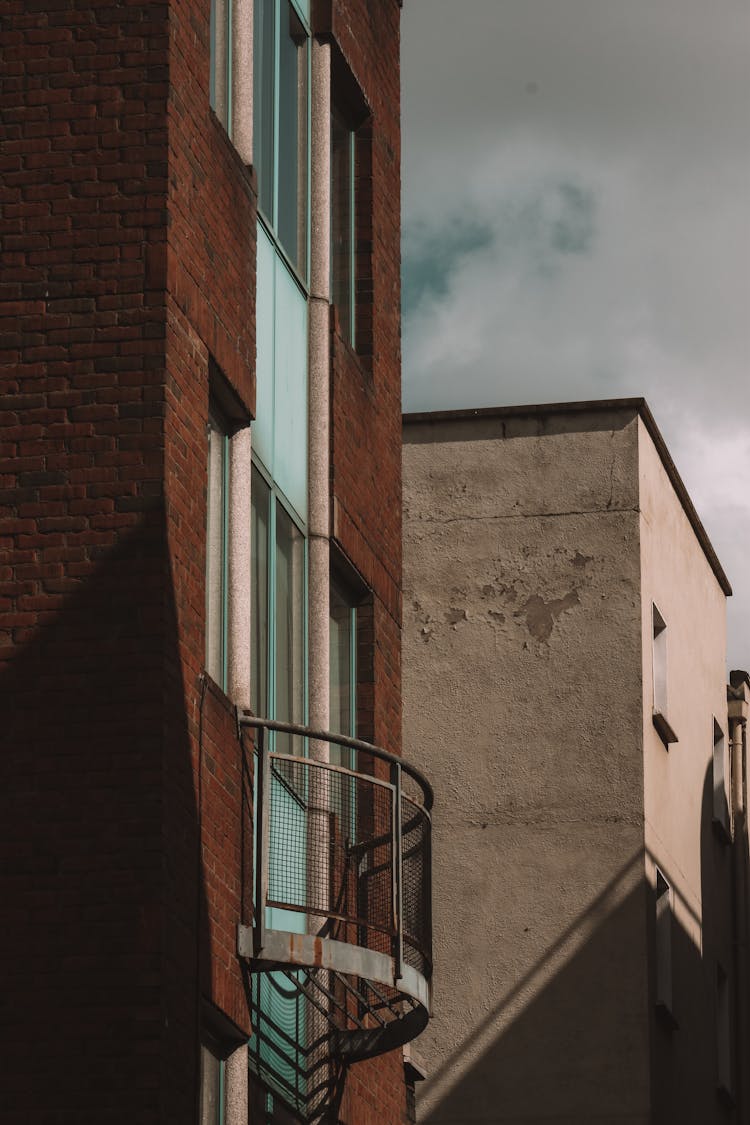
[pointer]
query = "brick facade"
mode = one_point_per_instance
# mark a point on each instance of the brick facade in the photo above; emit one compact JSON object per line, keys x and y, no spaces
{"x":128,"y":243}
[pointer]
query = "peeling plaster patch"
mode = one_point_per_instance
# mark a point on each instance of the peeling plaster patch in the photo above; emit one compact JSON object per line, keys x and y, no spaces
{"x":541,"y":615}
{"x":580,"y":560}
{"x":498,"y":617}
{"x":454,"y":615}
{"x":425,"y":634}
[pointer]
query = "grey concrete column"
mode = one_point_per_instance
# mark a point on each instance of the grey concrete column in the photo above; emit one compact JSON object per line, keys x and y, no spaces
{"x":319,"y":387}
{"x":238,"y":624}
{"x":242,"y":78}
{"x":235,"y":1086}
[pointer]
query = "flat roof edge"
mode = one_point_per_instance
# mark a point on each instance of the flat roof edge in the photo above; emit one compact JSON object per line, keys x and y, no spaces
{"x":637,"y":405}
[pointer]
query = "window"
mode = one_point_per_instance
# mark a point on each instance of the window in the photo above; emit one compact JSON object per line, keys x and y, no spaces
{"x":721,"y":817}
{"x":659,"y":653}
{"x":343,"y":224}
{"x":216,"y":548}
{"x":723,"y":1034}
{"x":212,"y":1086}
{"x":343,"y":663}
{"x":278,"y":583}
{"x":221,"y":61}
{"x":663,"y":946}
{"x":280,"y":111}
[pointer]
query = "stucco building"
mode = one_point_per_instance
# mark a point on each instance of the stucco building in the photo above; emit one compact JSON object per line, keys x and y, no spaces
{"x":565,"y":685}
{"x":204,"y":917}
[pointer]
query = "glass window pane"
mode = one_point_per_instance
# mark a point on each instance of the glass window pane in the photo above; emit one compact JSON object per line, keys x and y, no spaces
{"x":290,"y":564}
{"x":211,"y":1092}
{"x":291,"y":221}
{"x":220,"y":59}
{"x":215,"y":551}
{"x":259,"y":533}
{"x":341,"y":671}
{"x":342,"y":250}
{"x":264,"y":64}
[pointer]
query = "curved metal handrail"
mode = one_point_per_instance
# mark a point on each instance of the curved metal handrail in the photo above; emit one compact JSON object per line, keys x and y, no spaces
{"x":247,"y":719}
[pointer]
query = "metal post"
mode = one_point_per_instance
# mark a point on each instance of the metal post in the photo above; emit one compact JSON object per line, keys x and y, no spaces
{"x":262,"y":838}
{"x":397,"y":863}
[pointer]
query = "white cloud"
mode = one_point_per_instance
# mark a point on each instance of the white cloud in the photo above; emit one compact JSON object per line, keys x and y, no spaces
{"x":586,"y":163}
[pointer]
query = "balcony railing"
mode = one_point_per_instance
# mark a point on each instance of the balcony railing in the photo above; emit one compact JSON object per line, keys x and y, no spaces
{"x":341,"y":946}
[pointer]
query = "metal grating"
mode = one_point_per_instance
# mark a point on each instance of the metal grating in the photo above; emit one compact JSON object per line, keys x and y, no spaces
{"x":340,"y":951}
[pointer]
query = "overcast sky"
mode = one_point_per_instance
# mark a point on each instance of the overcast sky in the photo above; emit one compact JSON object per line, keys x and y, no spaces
{"x":576,"y":193}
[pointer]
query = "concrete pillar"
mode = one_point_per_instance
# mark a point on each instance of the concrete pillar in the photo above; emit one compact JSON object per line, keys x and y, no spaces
{"x":319,"y":388}
{"x":235,"y":1086}
{"x":242,"y":78}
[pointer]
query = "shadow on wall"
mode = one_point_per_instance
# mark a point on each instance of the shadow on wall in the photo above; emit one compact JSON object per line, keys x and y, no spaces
{"x":99,"y":941}
{"x":590,"y":1045}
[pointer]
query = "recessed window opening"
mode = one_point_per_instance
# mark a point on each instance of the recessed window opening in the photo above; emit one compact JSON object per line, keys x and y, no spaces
{"x":216,"y":547}
{"x":663,"y":931}
{"x":281,"y":112}
{"x":220,"y":84}
{"x":721,"y":817}
{"x":723,"y":1032}
{"x":660,"y":662}
{"x":343,"y":224}
{"x":212,"y":1086}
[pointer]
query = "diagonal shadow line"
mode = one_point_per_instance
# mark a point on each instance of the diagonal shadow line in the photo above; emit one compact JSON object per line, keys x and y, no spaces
{"x":571,"y":930}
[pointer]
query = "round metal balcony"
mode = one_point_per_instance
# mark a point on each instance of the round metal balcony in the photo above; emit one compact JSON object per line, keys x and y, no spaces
{"x":340,"y":953}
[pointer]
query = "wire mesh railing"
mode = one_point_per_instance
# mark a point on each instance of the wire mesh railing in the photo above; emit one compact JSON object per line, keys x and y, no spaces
{"x":343,"y":843}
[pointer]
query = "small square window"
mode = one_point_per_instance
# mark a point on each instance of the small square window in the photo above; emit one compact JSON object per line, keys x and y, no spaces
{"x":659,"y":656}
{"x":663,"y":933}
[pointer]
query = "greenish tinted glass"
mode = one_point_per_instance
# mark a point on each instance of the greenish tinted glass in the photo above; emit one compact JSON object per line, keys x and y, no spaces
{"x":216,"y":549}
{"x":291,"y":219}
{"x":290,"y":625}
{"x":342,"y":224}
{"x":264,"y":86}
{"x":259,"y":550}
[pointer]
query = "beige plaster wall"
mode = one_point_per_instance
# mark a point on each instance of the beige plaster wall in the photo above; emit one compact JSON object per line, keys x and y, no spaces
{"x":679,"y":838}
{"x":522,"y":702}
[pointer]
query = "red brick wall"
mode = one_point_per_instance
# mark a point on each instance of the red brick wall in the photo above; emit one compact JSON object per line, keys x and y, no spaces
{"x":107,"y":889}
{"x":85,"y":602}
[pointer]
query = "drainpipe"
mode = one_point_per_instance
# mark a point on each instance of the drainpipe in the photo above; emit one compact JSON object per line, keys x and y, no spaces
{"x":738,"y":706}
{"x":319,"y":393}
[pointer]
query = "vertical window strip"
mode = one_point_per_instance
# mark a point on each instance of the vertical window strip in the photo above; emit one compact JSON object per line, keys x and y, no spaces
{"x":217,"y":532}
{"x":220,"y":71}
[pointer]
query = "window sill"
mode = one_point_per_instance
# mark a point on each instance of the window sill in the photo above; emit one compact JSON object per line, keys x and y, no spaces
{"x":665,"y":730}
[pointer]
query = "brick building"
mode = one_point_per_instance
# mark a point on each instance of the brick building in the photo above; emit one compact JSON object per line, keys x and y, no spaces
{"x":201,"y":524}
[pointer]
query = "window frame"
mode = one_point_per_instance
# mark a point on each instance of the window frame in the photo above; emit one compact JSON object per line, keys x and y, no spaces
{"x":663,"y":913}
{"x":220,"y":70}
{"x":721,"y":812}
{"x":348,"y":324}
{"x":277,"y":498}
{"x":301,"y":271}
{"x":217,"y":423}
{"x":659,"y":670}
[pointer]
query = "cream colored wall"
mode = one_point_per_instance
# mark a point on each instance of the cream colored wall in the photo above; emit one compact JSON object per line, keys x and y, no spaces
{"x":677,"y":577}
{"x":679,"y":836}
{"x":521,"y":689}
